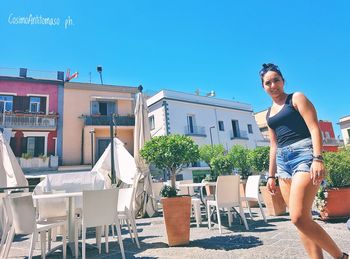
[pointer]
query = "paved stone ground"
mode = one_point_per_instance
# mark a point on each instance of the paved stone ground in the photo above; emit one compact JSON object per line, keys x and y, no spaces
{"x":275,"y":239}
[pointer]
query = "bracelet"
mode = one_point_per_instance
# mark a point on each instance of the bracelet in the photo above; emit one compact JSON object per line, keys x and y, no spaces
{"x":273,"y":177}
{"x":318,"y":160}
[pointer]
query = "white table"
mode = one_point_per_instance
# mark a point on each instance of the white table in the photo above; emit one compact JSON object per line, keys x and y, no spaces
{"x":196,"y":205}
{"x":71,"y":225}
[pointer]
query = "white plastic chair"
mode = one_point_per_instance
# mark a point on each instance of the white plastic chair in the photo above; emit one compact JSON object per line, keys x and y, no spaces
{"x":195,"y":202}
{"x":20,"y":209}
{"x":126,"y":212}
{"x":156,"y":188}
{"x":227,"y":196}
{"x":52,"y":209}
{"x":252,"y":193}
{"x":99,"y":209}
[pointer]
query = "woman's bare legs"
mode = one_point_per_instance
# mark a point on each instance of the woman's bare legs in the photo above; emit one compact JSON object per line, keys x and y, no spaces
{"x":313,"y":250}
{"x":314,"y":237}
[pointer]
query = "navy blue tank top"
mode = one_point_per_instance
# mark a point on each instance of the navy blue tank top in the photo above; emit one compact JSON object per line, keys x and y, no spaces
{"x":288,"y":124}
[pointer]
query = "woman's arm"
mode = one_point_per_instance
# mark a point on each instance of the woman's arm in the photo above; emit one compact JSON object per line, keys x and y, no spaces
{"x":273,"y":151}
{"x":308,"y":112}
{"x":271,"y":185}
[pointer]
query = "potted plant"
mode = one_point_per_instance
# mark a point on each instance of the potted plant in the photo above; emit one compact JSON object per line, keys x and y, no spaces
{"x":259,"y":161}
{"x":333,"y":197}
{"x":172,"y":153}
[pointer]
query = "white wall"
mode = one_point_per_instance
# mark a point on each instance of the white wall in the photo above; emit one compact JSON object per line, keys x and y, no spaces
{"x":205,"y":116}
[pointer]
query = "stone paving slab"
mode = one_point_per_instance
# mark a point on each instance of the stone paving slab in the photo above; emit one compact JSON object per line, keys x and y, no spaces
{"x":275,"y":239}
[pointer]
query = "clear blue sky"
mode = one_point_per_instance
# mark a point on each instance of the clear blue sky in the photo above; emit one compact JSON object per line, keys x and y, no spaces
{"x":184,"y":45}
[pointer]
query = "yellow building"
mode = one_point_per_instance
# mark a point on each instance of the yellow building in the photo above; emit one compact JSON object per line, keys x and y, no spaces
{"x":87,"y":110}
{"x":260,"y":118}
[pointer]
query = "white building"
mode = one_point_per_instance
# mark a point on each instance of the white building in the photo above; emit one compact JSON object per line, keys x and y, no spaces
{"x":207,"y":120}
{"x":345,"y":129}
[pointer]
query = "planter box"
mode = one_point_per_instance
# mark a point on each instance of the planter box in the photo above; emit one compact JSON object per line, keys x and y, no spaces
{"x":34,"y":162}
{"x":177,"y":212}
{"x":337,"y":205}
{"x":274,"y":203}
{"x":54,"y":161}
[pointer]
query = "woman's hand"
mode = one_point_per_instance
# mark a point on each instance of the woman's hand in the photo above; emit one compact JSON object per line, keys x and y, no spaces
{"x":271,"y":186}
{"x":317,"y":172}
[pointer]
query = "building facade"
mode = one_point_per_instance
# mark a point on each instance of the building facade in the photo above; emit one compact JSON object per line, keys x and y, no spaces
{"x":29,"y":109}
{"x":330,"y":142}
{"x":87,"y":112}
{"x":344,"y":124}
{"x":207,"y":120}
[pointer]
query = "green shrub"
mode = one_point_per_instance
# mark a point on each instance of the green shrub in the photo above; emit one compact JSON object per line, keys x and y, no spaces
{"x":240,"y":159}
{"x":27,"y":155}
{"x":259,"y":159}
{"x":338,"y":168}
{"x":222,"y":164}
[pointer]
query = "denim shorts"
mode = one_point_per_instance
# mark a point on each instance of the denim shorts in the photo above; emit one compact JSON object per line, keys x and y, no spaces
{"x":294,"y":158}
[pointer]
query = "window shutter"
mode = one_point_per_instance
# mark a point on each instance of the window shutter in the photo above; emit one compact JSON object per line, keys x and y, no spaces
{"x":110,"y":108}
{"x":94,"y":107}
{"x":43,"y":104}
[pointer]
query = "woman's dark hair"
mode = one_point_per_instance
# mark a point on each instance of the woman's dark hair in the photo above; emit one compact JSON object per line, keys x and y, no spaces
{"x":269,"y":67}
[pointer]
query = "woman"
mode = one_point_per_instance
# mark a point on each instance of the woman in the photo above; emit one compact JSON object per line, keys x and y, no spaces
{"x":296,"y":157}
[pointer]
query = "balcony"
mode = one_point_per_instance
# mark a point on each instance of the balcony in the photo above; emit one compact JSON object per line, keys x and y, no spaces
{"x":242,"y":134}
{"x":105,"y":120}
{"x":28,"y":121}
{"x":331,"y":142}
{"x":197,"y":131}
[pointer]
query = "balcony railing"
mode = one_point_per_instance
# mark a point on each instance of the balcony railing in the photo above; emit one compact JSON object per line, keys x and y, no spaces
{"x":28,"y":120}
{"x":331,"y":142}
{"x":105,"y":120}
{"x":195,"y":131}
{"x":242,"y":134}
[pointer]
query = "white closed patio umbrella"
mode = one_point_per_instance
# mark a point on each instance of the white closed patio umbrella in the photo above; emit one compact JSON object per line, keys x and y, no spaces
{"x":11,"y":174}
{"x":143,"y":180}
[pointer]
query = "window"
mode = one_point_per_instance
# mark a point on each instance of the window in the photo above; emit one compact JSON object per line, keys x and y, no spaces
{"x":103,"y":108}
{"x":327,"y":135}
{"x":6,"y":103}
{"x":221,"y":126}
{"x":250,"y":128}
{"x":190,"y":123}
{"x":35,"y":146}
{"x":34,"y":104}
{"x":235,"y":129}
{"x":151,"y":123}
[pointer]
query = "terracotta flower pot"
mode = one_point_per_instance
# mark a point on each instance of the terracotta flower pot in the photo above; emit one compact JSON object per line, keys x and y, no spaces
{"x":177,"y":212}
{"x":210,"y":190}
{"x":338,"y":204}
{"x":274,"y":203}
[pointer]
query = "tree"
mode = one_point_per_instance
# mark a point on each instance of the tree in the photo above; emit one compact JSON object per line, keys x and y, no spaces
{"x":170,"y":153}
{"x":222,"y":164}
{"x":208,"y":152}
{"x":259,"y":159}
{"x":239,"y":156}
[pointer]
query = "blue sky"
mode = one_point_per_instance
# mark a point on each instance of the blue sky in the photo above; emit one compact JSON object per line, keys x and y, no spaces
{"x":186,"y":45}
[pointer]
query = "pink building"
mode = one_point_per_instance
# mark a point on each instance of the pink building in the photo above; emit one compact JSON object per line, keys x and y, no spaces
{"x":330,"y":143}
{"x":29,"y":109}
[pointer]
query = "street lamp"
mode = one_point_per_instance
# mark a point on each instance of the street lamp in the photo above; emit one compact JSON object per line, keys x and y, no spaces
{"x":92,"y":131}
{"x":211,"y":137}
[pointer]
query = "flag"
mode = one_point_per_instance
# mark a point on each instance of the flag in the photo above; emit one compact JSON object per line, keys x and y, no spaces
{"x":70,"y":77}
